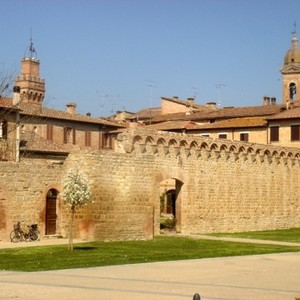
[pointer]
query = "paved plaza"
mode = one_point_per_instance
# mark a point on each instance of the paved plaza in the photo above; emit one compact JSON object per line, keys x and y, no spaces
{"x":272,"y":276}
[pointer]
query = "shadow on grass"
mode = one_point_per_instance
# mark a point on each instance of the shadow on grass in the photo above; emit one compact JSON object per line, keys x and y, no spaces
{"x":84,"y":248}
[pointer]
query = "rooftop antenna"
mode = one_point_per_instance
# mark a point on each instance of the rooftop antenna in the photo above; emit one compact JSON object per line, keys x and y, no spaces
{"x":31,"y":50}
{"x":219,"y":86}
{"x":196,"y":92}
{"x":151,"y":85}
{"x":295,"y":31}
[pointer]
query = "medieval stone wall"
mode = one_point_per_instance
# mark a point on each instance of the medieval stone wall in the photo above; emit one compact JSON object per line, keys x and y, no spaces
{"x":221,"y":186}
{"x":23,"y":188}
{"x":226,"y":185}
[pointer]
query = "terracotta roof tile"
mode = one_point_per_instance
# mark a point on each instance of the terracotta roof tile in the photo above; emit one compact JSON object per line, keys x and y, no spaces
{"x":231,"y":123}
{"x":237,"y":123}
{"x":187,"y":103}
{"x":293,"y":113}
{"x":173,"y":125}
{"x":36,"y":110}
{"x":147,"y":113}
{"x":6,"y":102}
{"x":222,"y":113}
{"x":31,"y":141}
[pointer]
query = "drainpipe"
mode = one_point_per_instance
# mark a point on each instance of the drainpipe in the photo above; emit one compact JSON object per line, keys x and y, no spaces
{"x":16,"y":101}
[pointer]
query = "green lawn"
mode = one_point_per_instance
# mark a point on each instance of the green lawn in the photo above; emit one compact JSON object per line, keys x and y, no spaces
{"x":288,"y":235}
{"x":162,"y":248}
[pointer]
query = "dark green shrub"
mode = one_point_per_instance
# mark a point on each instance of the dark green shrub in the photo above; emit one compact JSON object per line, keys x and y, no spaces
{"x":168,"y":223}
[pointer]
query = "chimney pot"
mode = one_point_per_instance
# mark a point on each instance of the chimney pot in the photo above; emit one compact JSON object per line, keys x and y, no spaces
{"x":211,"y":104}
{"x":16,"y":95}
{"x":71,"y":108}
{"x":266,"y":100}
{"x":273,"y":100}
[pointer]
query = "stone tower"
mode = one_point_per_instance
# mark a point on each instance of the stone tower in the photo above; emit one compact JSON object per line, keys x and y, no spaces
{"x":291,"y":73}
{"x":32,"y":87}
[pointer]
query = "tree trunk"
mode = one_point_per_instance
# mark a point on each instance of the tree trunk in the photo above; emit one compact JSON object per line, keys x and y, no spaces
{"x":71,"y":229}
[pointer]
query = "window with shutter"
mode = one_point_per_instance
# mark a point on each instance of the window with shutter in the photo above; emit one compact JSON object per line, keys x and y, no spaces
{"x":88,"y":139}
{"x":244,"y":137}
{"x":222,"y":136}
{"x":295,"y":133}
{"x":65,"y":135}
{"x":49,"y":132}
{"x":74,"y":135}
{"x":274,"y":133}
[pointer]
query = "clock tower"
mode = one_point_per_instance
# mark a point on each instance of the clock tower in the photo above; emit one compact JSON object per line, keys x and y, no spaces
{"x":32,"y":87}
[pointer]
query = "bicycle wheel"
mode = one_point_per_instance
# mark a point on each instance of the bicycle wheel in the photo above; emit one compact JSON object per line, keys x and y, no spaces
{"x":34,"y":235}
{"x":15,"y":236}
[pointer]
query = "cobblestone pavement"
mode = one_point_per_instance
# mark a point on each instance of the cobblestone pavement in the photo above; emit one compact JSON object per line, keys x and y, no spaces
{"x":273,"y":276}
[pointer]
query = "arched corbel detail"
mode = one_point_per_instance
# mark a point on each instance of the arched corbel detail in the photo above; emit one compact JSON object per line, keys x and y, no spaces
{"x":213,"y":147}
{"x":232,"y":148}
{"x":172,"y":143}
{"x":204,"y":146}
{"x":194,"y":149}
{"x":161,"y":141}
{"x":267,"y":156}
{"x":149,"y":142}
{"x":193,"y":144}
{"x":183,"y":143}
{"x":224,"y":151}
{"x":282,"y":154}
{"x":241,"y":149}
{"x":137,"y":139}
{"x":291,"y":158}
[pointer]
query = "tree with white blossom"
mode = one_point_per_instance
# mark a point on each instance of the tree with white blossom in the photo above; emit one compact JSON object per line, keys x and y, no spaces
{"x":76,"y":193}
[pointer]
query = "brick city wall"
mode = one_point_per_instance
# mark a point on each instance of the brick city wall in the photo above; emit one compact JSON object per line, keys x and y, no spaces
{"x":221,"y":186}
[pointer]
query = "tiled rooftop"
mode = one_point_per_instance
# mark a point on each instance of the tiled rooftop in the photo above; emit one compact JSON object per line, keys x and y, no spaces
{"x":237,"y":123}
{"x":222,"y":113}
{"x":230,"y":123}
{"x":31,"y":141}
{"x":293,"y":113}
{"x":36,"y":110}
{"x":173,"y":125}
{"x":6,"y":102}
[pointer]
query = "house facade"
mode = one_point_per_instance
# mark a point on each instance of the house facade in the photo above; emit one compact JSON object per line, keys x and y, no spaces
{"x":28,"y":128}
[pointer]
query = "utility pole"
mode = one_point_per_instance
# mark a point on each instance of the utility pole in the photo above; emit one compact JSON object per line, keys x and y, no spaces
{"x":219,"y":86}
{"x":151,"y":85}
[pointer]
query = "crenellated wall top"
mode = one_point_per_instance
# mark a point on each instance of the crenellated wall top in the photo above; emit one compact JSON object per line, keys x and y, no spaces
{"x":132,"y":139}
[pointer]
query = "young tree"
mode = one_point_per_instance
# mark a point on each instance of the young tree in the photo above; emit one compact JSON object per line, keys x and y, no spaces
{"x":6,"y":82}
{"x":76,"y":193}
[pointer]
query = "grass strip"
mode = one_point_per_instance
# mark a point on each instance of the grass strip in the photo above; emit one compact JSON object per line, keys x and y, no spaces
{"x":285,"y":235}
{"x":127,"y":252}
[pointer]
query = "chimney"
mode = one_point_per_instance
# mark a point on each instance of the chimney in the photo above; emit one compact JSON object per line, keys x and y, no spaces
{"x":71,"y":108}
{"x":16,"y":95}
{"x":266,"y":100}
{"x":88,"y":114}
{"x":212,"y":105}
{"x":273,"y":101}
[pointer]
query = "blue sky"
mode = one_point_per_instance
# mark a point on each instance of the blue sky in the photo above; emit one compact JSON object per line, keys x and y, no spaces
{"x":109,"y":55}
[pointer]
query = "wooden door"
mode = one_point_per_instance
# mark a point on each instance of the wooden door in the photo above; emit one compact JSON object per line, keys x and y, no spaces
{"x":51,"y":212}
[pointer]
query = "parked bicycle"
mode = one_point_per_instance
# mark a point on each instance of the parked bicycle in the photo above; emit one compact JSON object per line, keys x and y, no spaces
{"x":18,"y":235}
